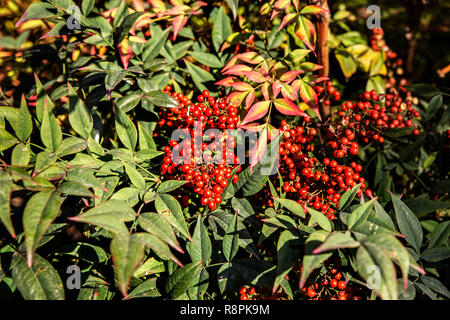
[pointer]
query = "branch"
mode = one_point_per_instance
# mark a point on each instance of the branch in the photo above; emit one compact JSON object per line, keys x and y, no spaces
{"x":322,"y":27}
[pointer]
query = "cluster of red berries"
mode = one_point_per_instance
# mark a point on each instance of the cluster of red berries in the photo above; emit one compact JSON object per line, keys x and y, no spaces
{"x":330,"y":285}
{"x":313,"y":183}
{"x":207,"y":168}
{"x":260,"y":293}
{"x":327,"y":92}
{"x":369,"y":118}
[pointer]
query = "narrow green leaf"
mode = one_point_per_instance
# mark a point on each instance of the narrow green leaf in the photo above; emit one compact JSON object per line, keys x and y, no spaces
{"x":40,"y":211}
{"x":127,"y":253}
{"x":24,"y":125}
{"x":125,"y":129}
{"x":200,"y":248}
{"x":180,"y":280}
{"x":79,"y":116}
{"x":51,"y":134}
{"x":5,"y":194}
{"x":408,"y":223}
{"x":160,"y":227}
{"x":230,"y":243}
{"x":38,"y":282}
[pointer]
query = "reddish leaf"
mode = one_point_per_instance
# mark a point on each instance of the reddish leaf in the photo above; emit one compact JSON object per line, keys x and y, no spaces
{"x":306,"y":32}
{"x":238,"y":70}
{"x":230,"y":63}
{"x":288,"y":92}
{"x":257,"y":111}
{"x":255,"y":76}
{"x":312,"y":9}
{"x":287,"y":107}
{"x":288,"y":19}
{"x":178,"y":23}
{"x":309,"y":96}
{"x":236,"y":98}
{"x":259,"y":149}
{"x":250,"y":57}
{"x":265,"y":90}
{"x":125,"y":52}
{"x":282,"y":4}
{"x":241,"y":86}
{"x":273,"y":132}
{"x":227,"y":82}
{"x":276,"y":88}
{"x":290,"y":75}
{"x":250,"y":98}
{"x":310,"y":67}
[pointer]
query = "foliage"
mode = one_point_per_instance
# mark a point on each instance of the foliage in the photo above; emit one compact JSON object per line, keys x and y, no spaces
{"x":357,"y":207}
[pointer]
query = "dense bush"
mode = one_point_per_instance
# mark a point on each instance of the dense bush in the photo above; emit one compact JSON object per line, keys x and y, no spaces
{"x":216,"y":150}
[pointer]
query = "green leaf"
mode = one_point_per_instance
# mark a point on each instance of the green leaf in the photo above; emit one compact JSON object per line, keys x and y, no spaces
{"x":75,"y":189}
{"x":40,"y":211}
{"x":422,"y":206}
{"x":346,"y":62}
{"x":146,"y":289}
{"x":292,"y":206}
{"x":161,"y":99}
{"x":207,"y":59}
{"x":375,"y":267}
{"x":125,"y":129}
{"x":145,"y":139}
{"x":154,"y":45}
{"x":435,"y":254}
{"x":199,"y":284}
{"x":169,"y":207}
{"x":221,"y":29}
{"x":41,"y":99}
{"x":6,"y":140}
{"x":433,"y":106}
{"x":375,"y":83}
{"x":313,"y":261}
{"x":109,"y":215}
{"x":200,"y":248}
{"x":337,"y":240}
{"x":234,"y":5}
{"x":360,"y":214}
{"x":113,"y":78}
{"x":180,"y":280}
{"x":38,"y":282}
{"x":44,"y":159}
{"x":51,"y":134}
{"x":243,"y":207}
{"x":87,"y":6}
{"x":21,"y":155}
{"x":160,"y":227}
{"x":127,"y":253}
{"x":227,"y":278}
{"x":230,"y":243}
{"x":160,"y":247}
{"x":423,"y":90}
{"x":170,"y":185}
{"x":287,"y":256}
{"x":79,"y":116}
{"x":199,"y":76}
{"x":136,"y":178}
{"x":440,"y":235}
{"x":24,"y":124}
{"x":408,"y":223}
{"x":348,"y":197}
{"x":71,"y":145}
{"x":435,"y":285}
{"x":321,"y":220}
{"x":5,"y":194}
{"x":393,"y":248}
{"x":37,"y":10}
{"x":126,"y":25}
